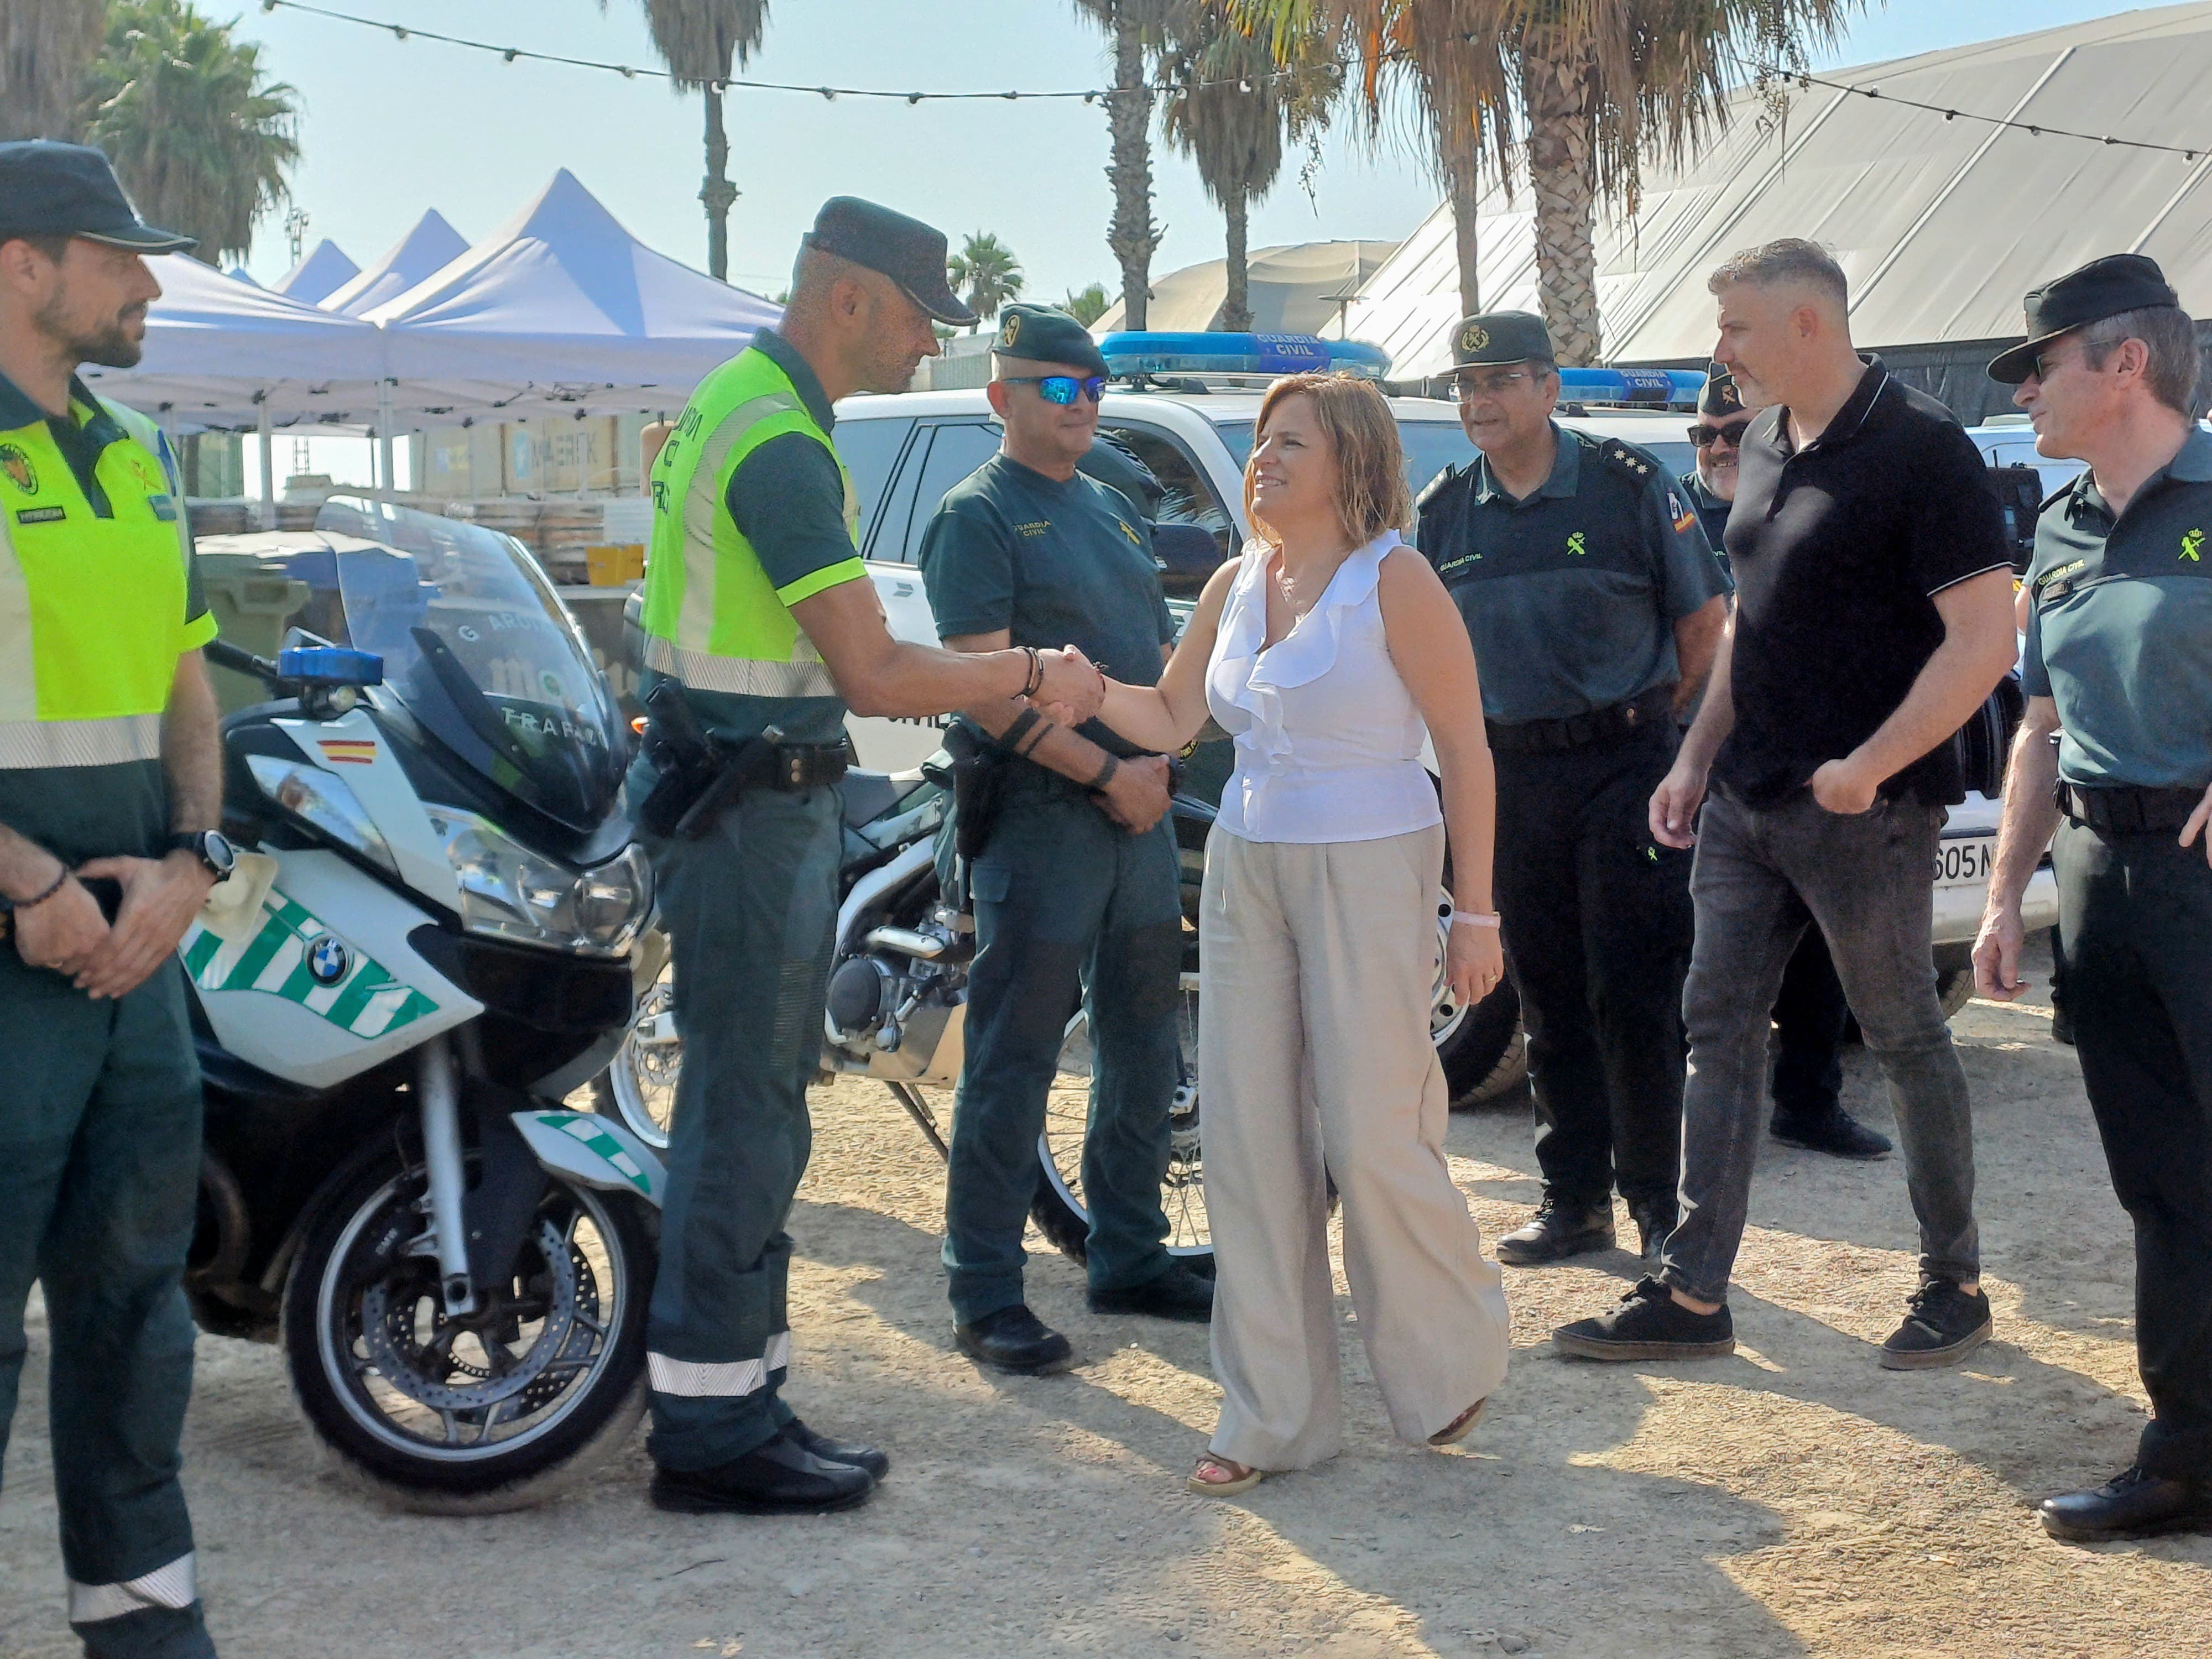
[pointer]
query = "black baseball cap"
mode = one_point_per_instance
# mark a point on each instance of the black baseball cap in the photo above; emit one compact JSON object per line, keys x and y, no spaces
{"x":909,"y":253}
{"x":1041,"y":335}
{"x":51,"y":189}
{"x":1500,"y":337}
{"x":2103,"y":288}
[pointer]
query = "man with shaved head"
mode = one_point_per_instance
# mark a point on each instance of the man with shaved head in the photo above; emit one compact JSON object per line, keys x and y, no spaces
{"x":1873,"y":614}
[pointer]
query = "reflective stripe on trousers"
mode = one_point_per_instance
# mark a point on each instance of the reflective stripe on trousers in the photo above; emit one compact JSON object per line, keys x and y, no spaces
{"x":175,"y":1586}
{"x":696,"y":1379}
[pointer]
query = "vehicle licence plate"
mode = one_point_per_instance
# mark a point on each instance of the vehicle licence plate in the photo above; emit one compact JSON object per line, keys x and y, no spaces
{"x":1965,"y":862}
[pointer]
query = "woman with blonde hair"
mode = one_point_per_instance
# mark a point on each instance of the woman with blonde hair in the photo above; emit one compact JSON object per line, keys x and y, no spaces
{"x":1324,"y":651}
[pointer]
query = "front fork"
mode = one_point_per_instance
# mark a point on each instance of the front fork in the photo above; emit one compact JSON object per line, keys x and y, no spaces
{"x":437,"y":1087}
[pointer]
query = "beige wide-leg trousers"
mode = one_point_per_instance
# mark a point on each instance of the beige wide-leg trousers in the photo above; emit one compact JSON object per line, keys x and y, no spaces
{"x":1318,"y":962}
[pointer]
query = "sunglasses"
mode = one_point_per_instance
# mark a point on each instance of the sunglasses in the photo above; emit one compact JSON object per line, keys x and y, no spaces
{"x":1061,"y":388}
{"x":1705,"y":436}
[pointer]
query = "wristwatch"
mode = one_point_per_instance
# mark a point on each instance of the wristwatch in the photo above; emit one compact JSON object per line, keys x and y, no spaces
{"x":211,"y":846}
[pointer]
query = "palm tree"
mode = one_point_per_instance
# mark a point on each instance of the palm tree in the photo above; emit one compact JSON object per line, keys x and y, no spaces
{"x":987,"y":269}
{"x":1230,"y":111}
{"x":200,"y":137}
{"x":1598,"y":86}
{"x":1138,"y":28}
{"x":699,"y":41}
{"x":1087,"y":305}
{"x":45,"y":46}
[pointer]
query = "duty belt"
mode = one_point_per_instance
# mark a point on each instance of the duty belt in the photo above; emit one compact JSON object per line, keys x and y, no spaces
{"x":2126,"y":810}
{"x":1578,"y":731}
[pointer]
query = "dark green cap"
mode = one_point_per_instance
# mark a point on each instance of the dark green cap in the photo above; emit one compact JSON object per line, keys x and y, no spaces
{"x":1038,"y":334}
{"x":1720,"y":396}
{"x":906,"y":251}
{"x":50,"y":189}
{"x":1500,"y":337}
{"x":2103,"y":288}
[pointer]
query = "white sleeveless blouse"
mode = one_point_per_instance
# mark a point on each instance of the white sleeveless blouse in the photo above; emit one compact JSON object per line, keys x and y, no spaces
{"x":1328,"y":741}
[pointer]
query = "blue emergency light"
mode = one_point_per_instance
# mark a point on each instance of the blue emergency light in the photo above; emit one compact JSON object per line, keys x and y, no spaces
{"x":330,"y":665}
{"x":1652,"y":386}
{"x":1188,"y":353}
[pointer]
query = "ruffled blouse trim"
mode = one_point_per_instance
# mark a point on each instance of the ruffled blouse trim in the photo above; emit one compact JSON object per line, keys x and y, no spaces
{"x":1256,"y":675}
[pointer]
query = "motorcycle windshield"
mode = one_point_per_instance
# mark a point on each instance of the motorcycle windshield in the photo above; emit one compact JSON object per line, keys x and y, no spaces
{"x":482,"y":653}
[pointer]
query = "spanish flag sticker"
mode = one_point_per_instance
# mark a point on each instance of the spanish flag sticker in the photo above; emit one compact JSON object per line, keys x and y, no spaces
{"x":348,"y":752}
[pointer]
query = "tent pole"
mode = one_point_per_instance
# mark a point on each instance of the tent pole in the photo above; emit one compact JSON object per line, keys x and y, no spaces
{"x":268,"y":516}
{"x":384,"y":474}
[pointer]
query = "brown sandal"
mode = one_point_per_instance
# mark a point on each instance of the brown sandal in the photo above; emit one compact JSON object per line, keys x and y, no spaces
{"x":1460,"y":1426}
{"x":1230,"y":1488}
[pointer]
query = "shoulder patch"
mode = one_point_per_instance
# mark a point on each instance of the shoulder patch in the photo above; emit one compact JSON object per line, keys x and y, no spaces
{"x":1437,"y":485}
{"x":1637,"y":464}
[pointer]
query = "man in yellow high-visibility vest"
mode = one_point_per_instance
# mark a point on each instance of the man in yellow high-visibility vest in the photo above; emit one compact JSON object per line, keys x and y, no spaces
{"x":758,"y":607}
{"x":111,"y":784}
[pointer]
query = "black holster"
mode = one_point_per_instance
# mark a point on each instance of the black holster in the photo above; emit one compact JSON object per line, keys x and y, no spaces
{"x":979,"y":787}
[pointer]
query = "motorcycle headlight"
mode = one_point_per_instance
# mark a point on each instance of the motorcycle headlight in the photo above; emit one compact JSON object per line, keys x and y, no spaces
{"x":510,"y":892}
{"x":323,"y":800}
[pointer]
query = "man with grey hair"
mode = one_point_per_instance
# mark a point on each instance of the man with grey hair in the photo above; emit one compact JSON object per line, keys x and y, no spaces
{"x":1873,"y":614}
{"x":2119,"y":668}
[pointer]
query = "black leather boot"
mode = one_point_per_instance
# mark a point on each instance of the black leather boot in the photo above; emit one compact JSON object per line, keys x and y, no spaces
{"x":2136,"y":1504}
{"x":1015,"y":1339}
{"x":1559,"y":1229}
{"x":838,"y":1451}
{"x":781,"y":1478}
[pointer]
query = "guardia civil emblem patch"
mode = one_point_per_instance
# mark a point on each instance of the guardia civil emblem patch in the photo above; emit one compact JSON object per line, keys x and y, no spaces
{"x":15,"y":467}
{"x":2192,"y":546}
{"x":1010,"y":329}
{"x":1473,"y":337}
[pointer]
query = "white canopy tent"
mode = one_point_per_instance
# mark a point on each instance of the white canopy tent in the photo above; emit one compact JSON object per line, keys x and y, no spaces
{"x":223,"y":353}
{"x":429,"y":248}
{"x":317,"y":275}
{"x":563,"y":312}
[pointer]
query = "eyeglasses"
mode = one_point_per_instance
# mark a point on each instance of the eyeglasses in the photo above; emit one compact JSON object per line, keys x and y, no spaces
{"x":1061,"y":388}
{"x":2044,"y":362}
{"x":1491,"y":385}
{"x":1705,"y":436}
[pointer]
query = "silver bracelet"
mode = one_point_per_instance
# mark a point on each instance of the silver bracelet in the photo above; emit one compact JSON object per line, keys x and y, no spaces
{"x":1474,"y":918}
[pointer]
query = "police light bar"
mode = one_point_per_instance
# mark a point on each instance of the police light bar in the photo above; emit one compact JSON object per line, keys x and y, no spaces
{"x":1631,"y":385}
{"x":329,"y":664}
{"x":1150,"y":353}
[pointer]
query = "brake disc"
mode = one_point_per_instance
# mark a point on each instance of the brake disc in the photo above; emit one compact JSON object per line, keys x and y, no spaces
{"x":388,"y":1331}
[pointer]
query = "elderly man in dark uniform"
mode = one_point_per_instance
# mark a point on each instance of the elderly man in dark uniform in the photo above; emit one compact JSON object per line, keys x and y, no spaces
{"x":2119,"y":668}
{"x":1076,"y":884}
{"x":1595,"y":606}
{"x":1810,"y":1015}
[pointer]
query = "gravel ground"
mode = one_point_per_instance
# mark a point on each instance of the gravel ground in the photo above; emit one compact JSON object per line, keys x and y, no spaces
{"x":1794,"y":1499}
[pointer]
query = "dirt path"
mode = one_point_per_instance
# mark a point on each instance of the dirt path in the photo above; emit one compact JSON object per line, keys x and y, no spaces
{"x":1794,"y":1500}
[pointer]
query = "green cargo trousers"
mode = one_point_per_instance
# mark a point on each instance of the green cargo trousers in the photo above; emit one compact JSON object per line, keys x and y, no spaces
{"x":749,"y":906}
{"x":98,"y":1190}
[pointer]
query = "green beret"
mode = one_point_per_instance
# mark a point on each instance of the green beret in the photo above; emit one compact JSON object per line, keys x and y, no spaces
{"x":1500,"y":337}
{"x":1039,"y":334}
{"x":1720,"y":396}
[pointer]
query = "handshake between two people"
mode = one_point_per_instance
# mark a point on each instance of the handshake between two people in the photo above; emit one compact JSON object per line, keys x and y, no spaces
{"x":1137,"y":791}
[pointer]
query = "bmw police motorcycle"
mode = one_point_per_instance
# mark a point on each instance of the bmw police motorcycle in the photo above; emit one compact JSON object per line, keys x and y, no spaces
{"x":426,"y":944}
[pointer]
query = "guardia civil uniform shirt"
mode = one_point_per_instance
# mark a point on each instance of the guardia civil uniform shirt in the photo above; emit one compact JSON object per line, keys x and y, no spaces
{"x":1054,"y":563}
{"x":2119,"y":635}
{"x":99,"y":598}
{"x":753,"y":512}
{"x":1571,"y":594}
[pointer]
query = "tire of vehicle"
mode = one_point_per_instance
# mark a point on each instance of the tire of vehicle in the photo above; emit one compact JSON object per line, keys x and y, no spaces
{"x":1954,"y":988}
{"x":1487,"y":1056}
{"x":638,"y":1088}
{"x":353,"y":1294}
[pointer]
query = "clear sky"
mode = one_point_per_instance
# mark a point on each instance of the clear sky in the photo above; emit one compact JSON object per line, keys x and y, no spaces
{"x":391,"y":128}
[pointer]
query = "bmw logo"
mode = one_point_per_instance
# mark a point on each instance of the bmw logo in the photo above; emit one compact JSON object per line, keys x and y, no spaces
{"x":328,"y":959}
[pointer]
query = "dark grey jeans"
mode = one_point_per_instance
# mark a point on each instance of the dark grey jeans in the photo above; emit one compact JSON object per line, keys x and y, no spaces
{"x":1866,"y":880}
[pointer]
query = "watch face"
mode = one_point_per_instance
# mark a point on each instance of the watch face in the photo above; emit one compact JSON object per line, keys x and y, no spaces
{"x":217,"y":853}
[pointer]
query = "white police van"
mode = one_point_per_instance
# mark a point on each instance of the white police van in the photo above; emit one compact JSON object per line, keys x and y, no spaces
{"x":1185,"y":406}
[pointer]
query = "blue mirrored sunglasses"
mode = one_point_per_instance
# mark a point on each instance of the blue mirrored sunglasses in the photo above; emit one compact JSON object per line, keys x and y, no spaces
{"x":1061,"y":388}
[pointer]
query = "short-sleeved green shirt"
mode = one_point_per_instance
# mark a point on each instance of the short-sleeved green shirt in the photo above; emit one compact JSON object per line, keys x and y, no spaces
{"x":117,"y":806}
{"x":1053,"y":563}
{"x":2119,"y":632}
{"x":1571,"y":594}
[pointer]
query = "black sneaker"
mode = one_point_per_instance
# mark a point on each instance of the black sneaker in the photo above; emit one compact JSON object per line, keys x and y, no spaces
{"x":1015,"y":1339}
{"x":1834,"y":1132}
{"x":1649,"y":1324}
{"x":1943,"y":1325}
{"x":1560,"y":1228}
{"x":1179,"y":1293}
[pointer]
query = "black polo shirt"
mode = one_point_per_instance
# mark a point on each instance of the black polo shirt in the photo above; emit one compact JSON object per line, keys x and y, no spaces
{"x":1838,"y":551}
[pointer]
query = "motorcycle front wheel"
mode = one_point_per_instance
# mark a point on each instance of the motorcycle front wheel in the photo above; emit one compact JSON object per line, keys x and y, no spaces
{"x":497,"y":1410}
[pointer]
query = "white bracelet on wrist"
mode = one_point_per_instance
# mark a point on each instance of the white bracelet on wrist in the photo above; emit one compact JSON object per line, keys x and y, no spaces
{"x":1474,"y":918}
